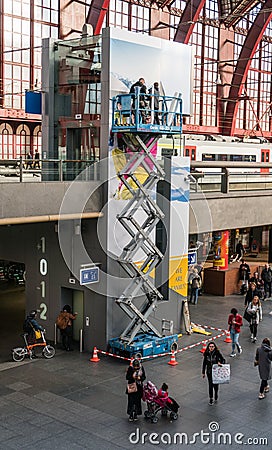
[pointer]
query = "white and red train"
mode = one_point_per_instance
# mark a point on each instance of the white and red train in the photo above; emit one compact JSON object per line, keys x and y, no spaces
{"x":199,"y":148}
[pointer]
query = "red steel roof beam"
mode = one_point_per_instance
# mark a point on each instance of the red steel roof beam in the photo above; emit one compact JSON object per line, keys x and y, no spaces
{"x":188,"y":19}
{"x":248,"y":50}
{"x":96,"y":15}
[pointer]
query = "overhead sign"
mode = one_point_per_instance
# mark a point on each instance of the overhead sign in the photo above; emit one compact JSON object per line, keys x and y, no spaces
{"x":33,"y":102}
{"x":89,"y":275}
{"x":191,"y":258}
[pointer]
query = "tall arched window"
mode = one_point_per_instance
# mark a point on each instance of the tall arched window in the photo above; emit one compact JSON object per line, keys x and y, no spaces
{"x":22,"y":141}
{"x":6,"y":135}
{"x":37,"y":139}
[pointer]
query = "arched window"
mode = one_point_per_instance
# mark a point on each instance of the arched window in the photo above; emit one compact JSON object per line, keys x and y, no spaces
{"x":37,"y":139}
{"x":6,"y":135}
{"x":22,"y":141}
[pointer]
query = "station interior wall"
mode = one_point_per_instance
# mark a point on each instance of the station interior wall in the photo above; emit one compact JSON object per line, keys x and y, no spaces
{"x":22,"y":243}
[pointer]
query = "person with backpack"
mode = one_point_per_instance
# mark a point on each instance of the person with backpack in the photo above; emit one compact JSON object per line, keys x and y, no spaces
{"x":30,"y":326}
{"x":65,"y":324}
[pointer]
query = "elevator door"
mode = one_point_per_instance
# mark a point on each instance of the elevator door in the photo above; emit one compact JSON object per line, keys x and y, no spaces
{"x":75,"y":299}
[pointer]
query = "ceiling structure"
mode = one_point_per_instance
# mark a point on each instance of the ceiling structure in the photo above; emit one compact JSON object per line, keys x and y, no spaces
{"x":230,"y":13}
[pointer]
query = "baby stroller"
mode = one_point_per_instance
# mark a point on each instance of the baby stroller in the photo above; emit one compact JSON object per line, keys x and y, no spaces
{"x":155,"y":403}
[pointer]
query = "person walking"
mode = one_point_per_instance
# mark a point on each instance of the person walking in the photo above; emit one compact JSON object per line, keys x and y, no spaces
{"x":196,"y":283}
{"x":235,"y":322}
{"x":36,"y":160}
{"x":244,"y":275}
{"x":266,"y":276}
{"x":251,"y":293}
{"x":255,"y":310}
{"x":263,"y":360}
{"x":240,"y":251}
{"x":212,"y":356}
{"x":135,"y":376}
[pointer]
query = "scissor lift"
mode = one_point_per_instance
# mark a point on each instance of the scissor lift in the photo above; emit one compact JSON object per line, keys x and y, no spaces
{"x":140,"y":135}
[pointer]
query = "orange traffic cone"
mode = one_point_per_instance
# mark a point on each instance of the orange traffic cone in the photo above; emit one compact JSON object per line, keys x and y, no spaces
{"x":95,"y":355}
{"x":203,"y":347}
{"x":173,"y":361}
{"x":228,"y":339}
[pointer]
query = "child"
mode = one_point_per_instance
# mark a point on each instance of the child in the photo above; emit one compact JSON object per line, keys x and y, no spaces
{"x":171,"y":403}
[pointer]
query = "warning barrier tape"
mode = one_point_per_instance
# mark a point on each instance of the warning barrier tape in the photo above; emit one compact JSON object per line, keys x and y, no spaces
{"x":167,"y":353}
{"x":209,"y":328}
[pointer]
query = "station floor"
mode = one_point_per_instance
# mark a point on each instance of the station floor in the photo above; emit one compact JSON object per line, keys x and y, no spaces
{"x":69,"y":402}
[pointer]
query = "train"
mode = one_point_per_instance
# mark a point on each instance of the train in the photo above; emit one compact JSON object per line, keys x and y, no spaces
{"x":210,"y":149}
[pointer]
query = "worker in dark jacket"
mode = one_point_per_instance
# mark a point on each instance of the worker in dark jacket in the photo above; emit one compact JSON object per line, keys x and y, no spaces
{"x":140,"y":84}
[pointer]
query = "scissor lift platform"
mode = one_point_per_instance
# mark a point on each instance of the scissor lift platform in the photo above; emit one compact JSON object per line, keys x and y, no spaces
{"x":141,"y":127}
{"x":129,"y":115}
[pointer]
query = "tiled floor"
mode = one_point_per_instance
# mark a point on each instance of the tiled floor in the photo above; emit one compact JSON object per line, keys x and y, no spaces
{"x":70,"y":403}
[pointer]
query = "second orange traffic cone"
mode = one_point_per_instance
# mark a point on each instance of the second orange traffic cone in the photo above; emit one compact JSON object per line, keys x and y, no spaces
{"x":228,"y":338}
{"x":95,"y":355}
{"x":203,"y":347}
{"x":173,"y":361}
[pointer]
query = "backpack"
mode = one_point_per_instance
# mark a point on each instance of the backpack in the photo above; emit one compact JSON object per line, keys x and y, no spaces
{"x":27,"y":328}
{"x":62,"y":321}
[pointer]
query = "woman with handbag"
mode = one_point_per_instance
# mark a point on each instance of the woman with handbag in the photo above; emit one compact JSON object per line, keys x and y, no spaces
{"x":255,"y":310}
{"x":212,"y":356}
{"x":135,"y":377}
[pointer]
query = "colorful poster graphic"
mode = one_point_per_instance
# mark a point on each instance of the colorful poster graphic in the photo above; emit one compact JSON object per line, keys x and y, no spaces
{"x":221,"y":250}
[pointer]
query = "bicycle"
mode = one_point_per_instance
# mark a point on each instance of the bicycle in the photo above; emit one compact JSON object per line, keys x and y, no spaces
{"x":19,"y":353}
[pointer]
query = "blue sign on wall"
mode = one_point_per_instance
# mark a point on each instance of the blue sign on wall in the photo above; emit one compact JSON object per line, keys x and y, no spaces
{"x":33,"y":102}
{"x":89,"y":275}
{"x":191,"y":258}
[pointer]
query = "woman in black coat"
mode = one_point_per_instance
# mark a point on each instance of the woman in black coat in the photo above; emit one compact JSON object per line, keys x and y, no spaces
{"x":135,"y":373}
{"x":212,"y":356}
{"x":263,"y":360}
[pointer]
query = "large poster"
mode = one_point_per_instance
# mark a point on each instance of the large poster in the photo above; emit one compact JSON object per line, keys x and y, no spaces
{"x":127,"y":57}
{"x":134,"y":56}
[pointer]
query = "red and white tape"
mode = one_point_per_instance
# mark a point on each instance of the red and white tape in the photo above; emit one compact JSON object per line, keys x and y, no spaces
{"x":167,"y":353}
{"x":207,"y":327}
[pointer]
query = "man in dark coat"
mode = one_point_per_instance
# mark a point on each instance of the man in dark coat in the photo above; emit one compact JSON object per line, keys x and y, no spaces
{"x":267,"y":279}
{"x":263,"y":360}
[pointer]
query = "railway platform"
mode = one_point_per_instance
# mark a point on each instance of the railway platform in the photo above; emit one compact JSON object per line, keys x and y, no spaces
{"x":70,"y":402}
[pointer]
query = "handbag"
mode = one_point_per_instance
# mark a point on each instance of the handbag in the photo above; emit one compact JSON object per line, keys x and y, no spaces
{"x":38,"y":334}
{"x":247,"y":315}
{"x":132,"y":387}
{"x":220,"y":374}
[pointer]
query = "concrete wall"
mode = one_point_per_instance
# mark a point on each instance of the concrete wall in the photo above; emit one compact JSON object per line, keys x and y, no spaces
{"x":229,"y":211}
{"x":44,"y":198}
{"x":22,"y":243}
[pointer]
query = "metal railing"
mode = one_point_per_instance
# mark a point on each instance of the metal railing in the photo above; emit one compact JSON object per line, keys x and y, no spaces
{"x":227,"y":177}
{"x":47,"y":170}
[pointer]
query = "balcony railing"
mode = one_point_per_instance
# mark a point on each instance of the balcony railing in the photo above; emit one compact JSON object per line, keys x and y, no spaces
{"x":227,"y":177}
{"x":47,"y":170}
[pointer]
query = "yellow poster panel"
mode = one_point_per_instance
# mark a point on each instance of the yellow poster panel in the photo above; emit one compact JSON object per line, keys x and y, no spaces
{"x":178,"y":275}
